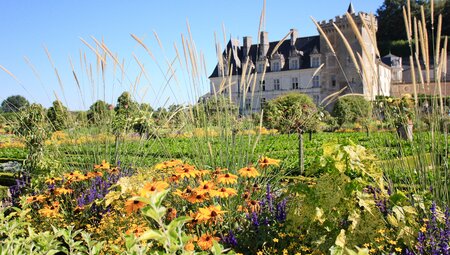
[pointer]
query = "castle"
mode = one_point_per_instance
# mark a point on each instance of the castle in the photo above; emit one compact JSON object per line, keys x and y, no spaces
{"x":251,"y":74}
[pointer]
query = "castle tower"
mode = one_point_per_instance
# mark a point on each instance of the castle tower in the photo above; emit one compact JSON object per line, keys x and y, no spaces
{"x":332,"y":77}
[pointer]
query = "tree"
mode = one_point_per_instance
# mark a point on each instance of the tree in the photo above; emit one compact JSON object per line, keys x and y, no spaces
{"x":292,"y":112}
{"x":351,"y":109}
{"x":14,"y":103}
{"x":58,"y":115}
{"x":99,"y":112}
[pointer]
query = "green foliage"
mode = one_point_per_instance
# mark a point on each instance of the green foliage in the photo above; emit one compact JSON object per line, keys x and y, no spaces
{"x":291,"y":112}
{"x":33,"y":127}
{"x":216,"y":111}
{"x":99,"y":113}
{"x":347,"y":205}
{"x":351,"y":109}
{"x":19,"y":237}
{"x":58,"y":115}
{"x":14,"y":103}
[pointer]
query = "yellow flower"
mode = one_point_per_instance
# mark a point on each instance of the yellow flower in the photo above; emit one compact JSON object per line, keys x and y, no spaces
{"x":265,"y":162}
{"x":63,"y":191}
{"x":204,"y":187}
{"x":227,"y":178}
{"x":152,"y":187}
{"x":38,"y":198}
{"x":249,"y":171}
{"x":52,"y":180}
{"x":259,"y":253}
{"x":50,"y":211}
{"x":103,"y":165}
{"x":186,"y":170}
{"x":392,"y":242}
{"x":398,"y":249}
{"x":168,"y":164}
{"x":423,"y":229}
{"x":213,"y":213}
{"x":275,"y":240}
{"x":223,"y":192}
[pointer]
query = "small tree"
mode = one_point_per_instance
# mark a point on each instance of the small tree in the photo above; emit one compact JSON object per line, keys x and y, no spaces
{"x":99,"y":112}
{"x":351,"y":109}
{"x":58,"y":115}
{"x":292,"y":112}
{"x":14,"y":103}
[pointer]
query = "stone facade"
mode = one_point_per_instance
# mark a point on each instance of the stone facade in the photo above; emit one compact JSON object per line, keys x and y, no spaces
{"x":251,"y":74}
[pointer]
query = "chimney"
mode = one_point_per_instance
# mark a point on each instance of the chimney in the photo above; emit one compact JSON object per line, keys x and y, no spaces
{"x":294,"y":36}
{"x":247,"y":44}
{"x":264,"y":44}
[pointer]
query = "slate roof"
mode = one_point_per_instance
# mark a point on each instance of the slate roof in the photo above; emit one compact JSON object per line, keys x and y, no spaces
{"x":304,"y":44}
{"x":389,"y":59}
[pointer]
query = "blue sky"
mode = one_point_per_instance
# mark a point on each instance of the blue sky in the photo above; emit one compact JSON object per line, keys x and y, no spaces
{"x":27,"y":27}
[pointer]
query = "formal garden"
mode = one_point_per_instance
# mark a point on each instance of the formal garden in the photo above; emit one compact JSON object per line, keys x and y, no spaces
{"x":349,"y":176}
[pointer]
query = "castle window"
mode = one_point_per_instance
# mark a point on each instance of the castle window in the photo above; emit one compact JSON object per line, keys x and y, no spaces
{"x":248,"y":104}
{"x":294,"y":64}
{"x":316,"y":81}
{"x":333,"y":80}
{"x":263,"y":102}
{"x":316,"y":99}
{"x":294,"y":83}
{"x":315,"y":61}
{"x":276,"y":84}
{"x":276,"y":67}
{"x":260,"y":68}
{"x":262,"y":85}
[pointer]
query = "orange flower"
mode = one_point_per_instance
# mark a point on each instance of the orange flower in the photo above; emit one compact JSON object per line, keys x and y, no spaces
{"x":50,"y":211}
{"x":136,"y":230}
{"x":74,"y":176}
{"x":62,"y":191}
{"x":205,"y":187}
{"x":219,"y":170}
{"x":114,"y":171}
{"x":189,"y":246}
{"x":186,"y":170}
{"x":52,"y":180}
{"x":227,"y":178}
{"x":38,"y":198}
{"x":265,"y":162}
{"x":152,"y":187}
{"x":185,"y":193}
{"x":103,"y":165}
{"x":213,"y":213}
{"x":132,"y":205}
{"x":248,"y":172}
{"x":171,"y":214}
{"x":205,"y":242}
{"x":196,"y":198}
{"x":223,"y":192}
{"x":174,"y":178}
{"x":94,"y":174}
{"x":203,"y":172}
{"x":254,"y":205}
{"x":168,"y":164}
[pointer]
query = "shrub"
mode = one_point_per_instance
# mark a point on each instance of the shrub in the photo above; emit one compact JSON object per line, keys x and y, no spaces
{"x":351,"y":108}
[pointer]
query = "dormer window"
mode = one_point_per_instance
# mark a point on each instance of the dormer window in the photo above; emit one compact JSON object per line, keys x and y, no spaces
{"x":260,"y":68}
{"x":294,"y":64}
{"x":315,"y":61}
{"x":276,"y":66}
